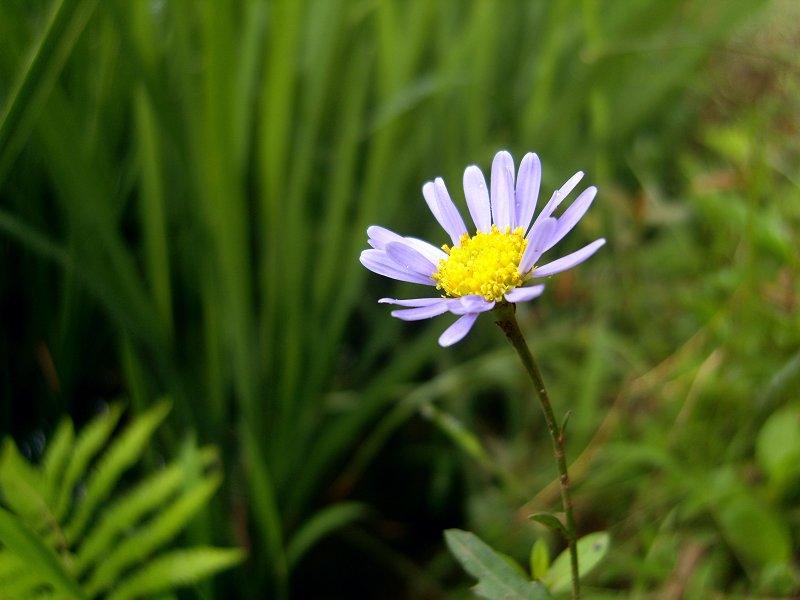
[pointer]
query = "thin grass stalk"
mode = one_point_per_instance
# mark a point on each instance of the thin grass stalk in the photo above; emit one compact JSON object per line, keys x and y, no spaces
{"x":153,"y":210}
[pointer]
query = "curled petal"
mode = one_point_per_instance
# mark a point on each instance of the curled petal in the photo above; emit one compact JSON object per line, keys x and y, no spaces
{"x":523,"y":294}
{"x":477,"y":198}
{"x":503,"y":190}
{"x":571,"y":216}
{"x":538,"y":240}
{"x":559,"y":196}
{"x":527,"y":192}
{"x":568,"y":261}
{"x":570,"y":184}
{"x":408,"y":258}
{"x":421,"y":312}
{"x":379,"y":262}
{"x":470,"y":304}
{"x":380,"y":236}
{"x":429,"y":251}
{"x":457,"y":331}
{"x":443,"y":209}
{"x":415,"y":302}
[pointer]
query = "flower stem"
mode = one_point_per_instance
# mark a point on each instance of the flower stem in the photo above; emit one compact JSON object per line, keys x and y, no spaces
{"x":507,"y":321}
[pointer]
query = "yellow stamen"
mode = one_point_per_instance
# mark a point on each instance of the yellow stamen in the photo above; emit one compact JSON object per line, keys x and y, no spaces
{"x":486,"y":264}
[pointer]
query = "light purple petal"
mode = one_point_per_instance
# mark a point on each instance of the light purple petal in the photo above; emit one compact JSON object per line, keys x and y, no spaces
{"x":570,"y":184}
{"x":568,"y":261}
{"x":527,"y":192}
{"x":523,"y":294}
{"x":443,"y":209}
{"x":429,"y":251}
{"x":379,"y":262}
{"x":422,"y":312}
{"x":457,"y":331}
{"x":470,"y":304}
{"x":571,"y":216}
{"x":409,"y":259}
{"x":477,"y":198}
{"x":538,"y":239}
{"x":558,"y":197}
{"x":415,"y":302}
{"x":503,"y":190}
{"x":380,"y":236}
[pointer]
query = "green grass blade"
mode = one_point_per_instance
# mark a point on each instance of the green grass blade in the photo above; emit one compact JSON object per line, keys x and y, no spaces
{"x":153,"y":209}
{"x":322,"y":524}
{"x":69,"y":17}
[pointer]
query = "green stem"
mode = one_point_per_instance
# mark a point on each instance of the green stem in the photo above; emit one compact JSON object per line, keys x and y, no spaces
{"x":507,"y":321}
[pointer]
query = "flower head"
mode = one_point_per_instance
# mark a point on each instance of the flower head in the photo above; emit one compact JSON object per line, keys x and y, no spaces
{"x":495,"y":264}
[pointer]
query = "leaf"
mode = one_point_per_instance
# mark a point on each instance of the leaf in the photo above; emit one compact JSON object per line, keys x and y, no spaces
{"x":754,"y":531}
{"x":56,"y":455}
{"x":120,"y":455}
{"x":150,"y":536}
{"x":497,"y":580}
{"x":778,"y":447}
{"x":321,"y":524}
{"x":126,"y":512}
{"x":591,"y":550}
{"x":551,"y":522}
{"x":22,"y":486}
{"x":119,"y":540}
{"x":174,"y":569}
{"x":89,"y":443}
{"x":20,"y":540}
{"x":53,"y":48}
{"x":540,"y":559}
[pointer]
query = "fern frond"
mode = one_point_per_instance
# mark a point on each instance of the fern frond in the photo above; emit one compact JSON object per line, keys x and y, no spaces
{"x":29,"y":547}
{"x":140,"y":544}
{"x":130,"y":508}
{"x":121,"y":454}
{"x":12,"y":570}
{"x":174,"y":569}
{"x":55,"y":457}
{"x":105,"y":539}
{"x":89,"y":442}
{"x":22,"y":487}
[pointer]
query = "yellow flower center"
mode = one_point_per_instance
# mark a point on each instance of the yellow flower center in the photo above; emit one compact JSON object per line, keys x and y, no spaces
{"x":486,"y":264}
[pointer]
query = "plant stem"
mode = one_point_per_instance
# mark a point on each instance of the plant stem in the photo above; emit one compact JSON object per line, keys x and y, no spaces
{"x":507,"y":321}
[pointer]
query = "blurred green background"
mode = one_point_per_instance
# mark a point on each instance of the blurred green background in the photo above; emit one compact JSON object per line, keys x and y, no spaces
{"x":184,"y":192}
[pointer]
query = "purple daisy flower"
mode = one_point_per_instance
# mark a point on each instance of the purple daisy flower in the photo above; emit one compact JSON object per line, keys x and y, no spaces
{"x":498,"y":262}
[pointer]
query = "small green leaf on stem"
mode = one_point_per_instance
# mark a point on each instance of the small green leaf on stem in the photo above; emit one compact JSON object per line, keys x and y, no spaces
{"x":591,"y":550}
{"x":540,"y":559}
{"x":565,"y":421}
{"x":551,"y":522}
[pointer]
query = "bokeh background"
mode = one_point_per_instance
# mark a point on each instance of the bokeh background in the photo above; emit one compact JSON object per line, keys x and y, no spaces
{"x":184,"y":192}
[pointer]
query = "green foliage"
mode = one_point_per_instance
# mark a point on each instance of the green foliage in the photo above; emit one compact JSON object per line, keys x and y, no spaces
{"x":778,"y":449}
{"x":184,"y":189}
{"x":591,"y":550}
{"x":498,"y":577}
{"x":72,"y":530}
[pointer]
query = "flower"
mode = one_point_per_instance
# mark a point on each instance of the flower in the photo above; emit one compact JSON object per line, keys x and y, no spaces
{"x":497,"y":262}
